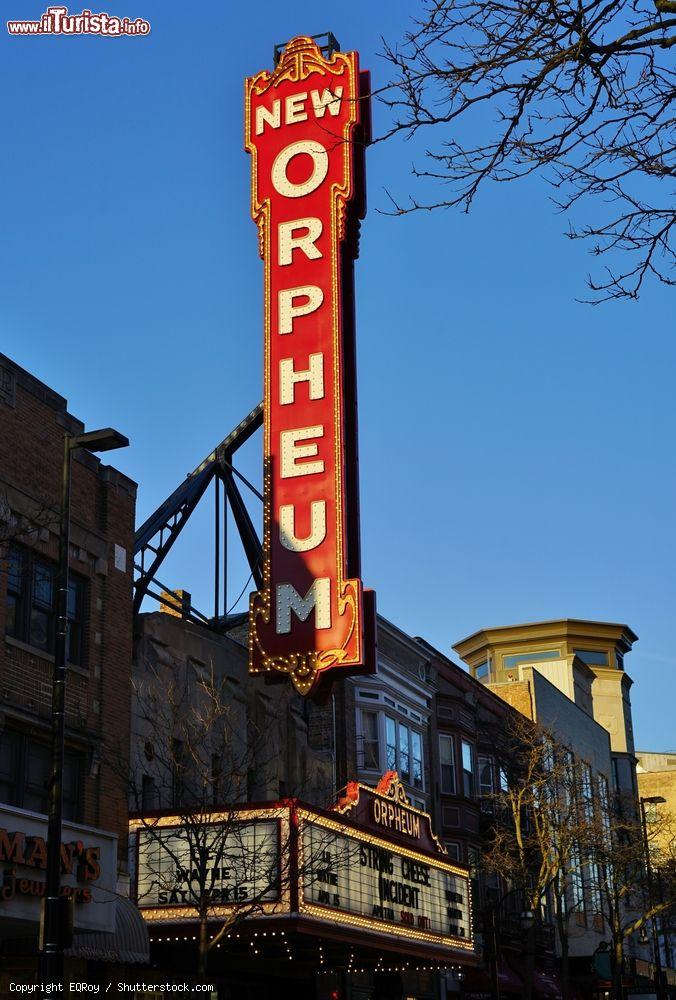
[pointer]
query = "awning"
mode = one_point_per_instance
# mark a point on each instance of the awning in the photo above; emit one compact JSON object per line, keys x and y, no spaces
{"x":479,"y":981}
{"x":129,"y":942}
{"x":546,"y":983}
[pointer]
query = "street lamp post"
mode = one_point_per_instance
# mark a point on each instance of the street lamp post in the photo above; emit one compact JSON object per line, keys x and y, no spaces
{"x":56,"y":909}
{"x":526,"y":923}
{"x":652,"y":800}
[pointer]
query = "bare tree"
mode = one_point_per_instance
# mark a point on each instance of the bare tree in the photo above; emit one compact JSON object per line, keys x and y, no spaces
{"x":580,"y":90}
{"x":631,"y":897}
{"x":538,"y":841}
{"x":200,"y":753}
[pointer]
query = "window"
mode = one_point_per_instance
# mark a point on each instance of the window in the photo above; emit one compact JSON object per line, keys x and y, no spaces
{"x":587,"y":791}
{"x":25,"y":769}
{"x":576,"y":879}
{"x":474,"y":865}
{"x":604,"y":803}
{"x":482,"y":670}
{"x":149,"y":796}
{"x":31,"y":604}
{"x":594,"y":888}
{"x":447,"y":762}
{"x":369,"y":722}
{"x":504,"y":780}
{"x":404,"y":751}
{"x":13,"y":602}
{"x":416,"y":759}
{"x":486,"y":785}
{"x":404,"y":756}
{"x":177,"y":773}
{"x":515,"y":658}
{"x":615,"y":764}
{"x":391,"y":743}
{"x":467,"y":769}
{"x":36,"y":776}
{"x":593,"y":657}
{"x":453,"y":848}
{"x":216,"y":778}
{"x":43,"y":606}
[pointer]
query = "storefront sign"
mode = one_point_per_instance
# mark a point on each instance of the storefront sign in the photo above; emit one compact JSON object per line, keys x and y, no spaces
{"x":88,"y":870}
{"x":306,"y":129}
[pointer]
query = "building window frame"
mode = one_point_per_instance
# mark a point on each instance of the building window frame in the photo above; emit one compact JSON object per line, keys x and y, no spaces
{"x":486,"y":789}
{"x":598,"y":657}
{"x":32,"y":594}
{"x":511,"y":661}
{"x":482,"y":670}
{"x":370,"y":739}
{"x":409,"y":752}
{"x":447,"y":764}
{"x":25,"y":768}
{"x":399,"y":747}
{"x":454,"y":850}
{"x":468,"y":757}
{"x":400,"y":733}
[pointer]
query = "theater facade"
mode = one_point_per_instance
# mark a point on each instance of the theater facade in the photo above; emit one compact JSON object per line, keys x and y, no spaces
{"x":357,"y":900}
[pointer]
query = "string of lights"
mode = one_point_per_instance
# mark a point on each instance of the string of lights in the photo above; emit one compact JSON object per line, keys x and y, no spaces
{"x":379,"y":967}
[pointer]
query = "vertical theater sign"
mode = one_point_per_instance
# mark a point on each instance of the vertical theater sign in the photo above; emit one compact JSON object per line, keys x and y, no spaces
{"x":306,"y":129}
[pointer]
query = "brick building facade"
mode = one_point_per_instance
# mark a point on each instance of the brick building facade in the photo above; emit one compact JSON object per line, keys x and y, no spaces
{"x":33,"y":422}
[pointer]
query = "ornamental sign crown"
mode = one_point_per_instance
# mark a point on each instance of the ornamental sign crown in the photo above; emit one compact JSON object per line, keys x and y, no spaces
{"x":306,"y":130}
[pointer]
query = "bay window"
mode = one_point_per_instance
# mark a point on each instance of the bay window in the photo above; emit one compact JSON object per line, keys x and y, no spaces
{"x":403,"y":747}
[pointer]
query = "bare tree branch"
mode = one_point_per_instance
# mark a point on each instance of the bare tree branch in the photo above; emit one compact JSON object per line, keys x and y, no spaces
{"x":580,"y":91}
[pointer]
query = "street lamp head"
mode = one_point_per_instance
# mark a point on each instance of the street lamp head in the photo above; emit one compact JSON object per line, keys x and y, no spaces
{"x":653,"y":800}
{"x":105,"y":439}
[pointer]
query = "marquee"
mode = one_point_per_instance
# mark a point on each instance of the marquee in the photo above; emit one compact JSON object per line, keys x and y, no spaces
{"x":318,"y":867}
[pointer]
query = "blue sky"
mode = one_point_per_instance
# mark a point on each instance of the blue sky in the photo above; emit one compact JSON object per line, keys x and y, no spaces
{"x":516,"y":447}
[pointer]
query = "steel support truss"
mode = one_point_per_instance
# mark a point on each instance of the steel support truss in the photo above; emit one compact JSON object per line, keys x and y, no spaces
{"x":155,"y":538}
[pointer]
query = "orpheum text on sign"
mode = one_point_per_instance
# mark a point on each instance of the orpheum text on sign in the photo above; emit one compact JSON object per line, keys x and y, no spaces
{"x":306,"y":130}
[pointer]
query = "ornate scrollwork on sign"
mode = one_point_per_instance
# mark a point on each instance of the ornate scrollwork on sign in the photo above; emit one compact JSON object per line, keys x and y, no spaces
{"x":299,"y":60}
{"x":391,"y":787}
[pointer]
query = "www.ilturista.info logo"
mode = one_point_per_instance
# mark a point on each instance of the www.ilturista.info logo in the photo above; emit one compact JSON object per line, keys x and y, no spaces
{"x":57,"y":21}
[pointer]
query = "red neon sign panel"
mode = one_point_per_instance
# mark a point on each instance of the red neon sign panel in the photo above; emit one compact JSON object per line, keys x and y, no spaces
{"x":306,"y":132}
